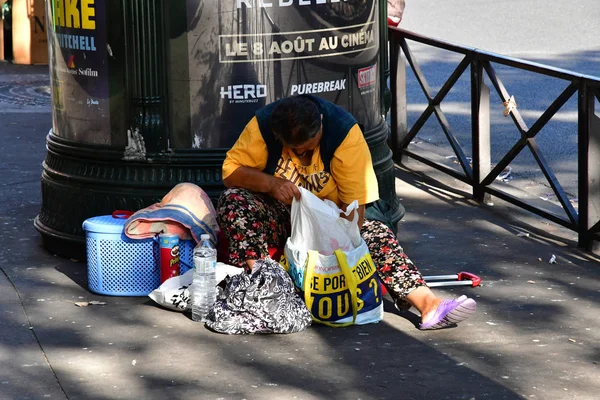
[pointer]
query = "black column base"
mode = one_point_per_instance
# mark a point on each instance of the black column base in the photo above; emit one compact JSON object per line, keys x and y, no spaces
{"x":81,"y":181}
{"x":383,"y":163}
{"x":60,"y":243}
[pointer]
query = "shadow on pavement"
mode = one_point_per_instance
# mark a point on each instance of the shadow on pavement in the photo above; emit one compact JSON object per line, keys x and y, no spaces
{"x":130,"y":348}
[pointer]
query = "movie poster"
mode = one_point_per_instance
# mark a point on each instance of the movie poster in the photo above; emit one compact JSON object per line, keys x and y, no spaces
{"x":79,"y":70}
{"x":244,"y":54}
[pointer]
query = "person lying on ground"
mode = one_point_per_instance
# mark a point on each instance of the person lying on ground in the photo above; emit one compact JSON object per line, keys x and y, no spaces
{"x":309,"y":142}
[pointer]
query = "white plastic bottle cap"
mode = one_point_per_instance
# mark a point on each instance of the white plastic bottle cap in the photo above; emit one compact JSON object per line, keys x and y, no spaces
{"x":205,"y":236}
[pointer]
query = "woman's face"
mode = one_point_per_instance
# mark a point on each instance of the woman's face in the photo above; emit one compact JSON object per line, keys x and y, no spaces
{"x":309,"y":145}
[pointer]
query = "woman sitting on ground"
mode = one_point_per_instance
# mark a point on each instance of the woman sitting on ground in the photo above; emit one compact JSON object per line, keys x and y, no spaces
{"x":309,"y":142}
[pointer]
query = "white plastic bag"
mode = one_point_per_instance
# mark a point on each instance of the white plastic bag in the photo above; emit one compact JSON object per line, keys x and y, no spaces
{"x":330,"y":263}
{"x":311,"y":214}
{"x":174,"y":294}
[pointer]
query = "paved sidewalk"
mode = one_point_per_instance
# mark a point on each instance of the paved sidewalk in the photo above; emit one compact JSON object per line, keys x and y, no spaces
{"x":535,"y":334}
{"x":24,"y":88}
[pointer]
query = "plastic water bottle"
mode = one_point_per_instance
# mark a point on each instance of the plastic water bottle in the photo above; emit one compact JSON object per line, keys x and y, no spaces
{"x":203,"y":291}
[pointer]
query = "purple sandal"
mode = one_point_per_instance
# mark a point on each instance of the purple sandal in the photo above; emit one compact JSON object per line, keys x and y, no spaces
{"x":450,"y":312}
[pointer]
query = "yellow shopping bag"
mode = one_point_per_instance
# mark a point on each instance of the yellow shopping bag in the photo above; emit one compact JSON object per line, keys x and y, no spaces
{"x":330,"y":263}
{"x":339,"y":290}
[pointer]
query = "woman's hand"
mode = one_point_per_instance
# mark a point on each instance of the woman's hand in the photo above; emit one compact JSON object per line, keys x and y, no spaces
{"x":284,"y":190}
{"x":257,"y":181}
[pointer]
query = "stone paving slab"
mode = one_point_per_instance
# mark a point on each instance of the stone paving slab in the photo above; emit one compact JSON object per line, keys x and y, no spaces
{"x":24,"y":89}
{"x":24,"y":370}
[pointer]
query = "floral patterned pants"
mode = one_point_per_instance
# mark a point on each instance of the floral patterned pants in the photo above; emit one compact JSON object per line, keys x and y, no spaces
{"x":253,"y":222}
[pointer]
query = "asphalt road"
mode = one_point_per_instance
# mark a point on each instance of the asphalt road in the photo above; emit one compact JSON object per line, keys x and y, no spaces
{"x":560,"y":34}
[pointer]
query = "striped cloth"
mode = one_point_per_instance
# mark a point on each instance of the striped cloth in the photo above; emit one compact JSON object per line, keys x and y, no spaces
{"x":186,"y":211}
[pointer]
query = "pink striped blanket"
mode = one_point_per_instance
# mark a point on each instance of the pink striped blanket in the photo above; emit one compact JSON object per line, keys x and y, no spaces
{"x":185,"y":211}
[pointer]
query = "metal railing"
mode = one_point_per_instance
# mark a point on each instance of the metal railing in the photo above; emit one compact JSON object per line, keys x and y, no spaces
{"x":479,"y":173}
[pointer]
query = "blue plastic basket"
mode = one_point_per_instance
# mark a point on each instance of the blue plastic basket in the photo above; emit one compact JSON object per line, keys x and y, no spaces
{"x":120,"y":266}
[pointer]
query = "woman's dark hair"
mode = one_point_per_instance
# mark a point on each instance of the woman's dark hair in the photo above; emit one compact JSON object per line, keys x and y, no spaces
{"x":295,"y":120}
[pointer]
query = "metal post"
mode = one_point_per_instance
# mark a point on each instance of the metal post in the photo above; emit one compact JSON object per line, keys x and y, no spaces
{"x":480,"y":114}
{"x":589,"y":167}
{"x":384,"y":68}
{"x":399,"y":118}
{"x":593,"y":182}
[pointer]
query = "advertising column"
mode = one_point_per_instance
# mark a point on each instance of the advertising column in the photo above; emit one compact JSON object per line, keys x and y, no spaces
{"x":247,"y":53}
{"x":78,"y":70}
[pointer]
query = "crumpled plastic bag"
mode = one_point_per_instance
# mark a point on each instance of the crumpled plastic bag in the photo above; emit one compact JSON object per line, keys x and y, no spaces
{"x":316,"y":225}
{"x":174,"y":295}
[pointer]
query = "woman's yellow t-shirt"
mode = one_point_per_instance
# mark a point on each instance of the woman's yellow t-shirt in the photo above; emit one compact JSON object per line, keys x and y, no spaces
{"x":351,"y":175}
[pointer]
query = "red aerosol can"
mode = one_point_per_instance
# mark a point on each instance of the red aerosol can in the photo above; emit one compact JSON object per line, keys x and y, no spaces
{"x":169,"y":256}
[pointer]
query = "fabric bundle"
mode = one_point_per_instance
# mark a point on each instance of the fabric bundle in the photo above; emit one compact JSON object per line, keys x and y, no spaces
{"x":264,"y":301}
{"x":186,"y":211}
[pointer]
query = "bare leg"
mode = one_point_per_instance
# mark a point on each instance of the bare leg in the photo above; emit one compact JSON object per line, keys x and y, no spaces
{"x":425,"y":301}
{"x":406,"y":284}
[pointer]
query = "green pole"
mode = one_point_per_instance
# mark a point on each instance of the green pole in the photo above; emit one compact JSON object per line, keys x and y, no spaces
{"x":384,"y":66}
